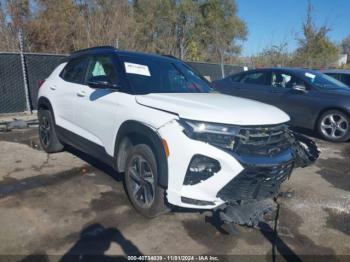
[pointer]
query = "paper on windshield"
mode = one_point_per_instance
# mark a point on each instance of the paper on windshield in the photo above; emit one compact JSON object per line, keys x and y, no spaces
{"x":309,"y":75}
{"x":137,"y":69}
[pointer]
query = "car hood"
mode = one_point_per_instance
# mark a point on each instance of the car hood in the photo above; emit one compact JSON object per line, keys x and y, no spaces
{"x":214,"y":107}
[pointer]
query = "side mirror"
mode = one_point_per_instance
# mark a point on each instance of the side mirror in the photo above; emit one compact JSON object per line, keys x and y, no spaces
{"x":100,"y":82}
{"x":299,"y":88}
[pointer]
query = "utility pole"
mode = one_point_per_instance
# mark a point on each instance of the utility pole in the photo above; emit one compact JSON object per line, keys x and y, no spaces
{"x":117,"y":43}
{"x":222,"y":65}
{"x":24,"y":72}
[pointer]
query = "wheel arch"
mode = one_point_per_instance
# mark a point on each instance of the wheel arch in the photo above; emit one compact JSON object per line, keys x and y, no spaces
{"x":45,"y":104}
{"x":133,"y":132}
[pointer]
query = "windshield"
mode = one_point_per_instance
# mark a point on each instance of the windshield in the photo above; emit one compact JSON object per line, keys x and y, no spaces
{"x":323,"y":81}
{"x":156,"y":75}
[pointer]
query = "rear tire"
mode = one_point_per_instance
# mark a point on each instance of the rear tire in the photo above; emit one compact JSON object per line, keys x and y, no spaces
{"x":334,"y":125}
{"x":141,"y":182}
{"x":47,"y":133}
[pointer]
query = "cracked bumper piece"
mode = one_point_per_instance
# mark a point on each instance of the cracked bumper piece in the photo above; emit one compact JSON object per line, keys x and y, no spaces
{"x":249,"y":195}
{"x":305,"y":150}
{"x":249,"y":214}
{"x":256,"y":183}
{"x":262,"y":176}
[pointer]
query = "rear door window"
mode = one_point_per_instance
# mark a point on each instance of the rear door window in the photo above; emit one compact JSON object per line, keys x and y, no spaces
{"x":256,"y":78}
{"x":75,"y":70}
{"x":346,"y":79}
{"x":334,"y":75}
{"x":236,"y":78}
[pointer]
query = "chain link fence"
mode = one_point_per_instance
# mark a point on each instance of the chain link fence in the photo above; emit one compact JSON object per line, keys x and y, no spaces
{"x":12,"y":93}
{"x":39,"y":66}
{"x":213,"y":71}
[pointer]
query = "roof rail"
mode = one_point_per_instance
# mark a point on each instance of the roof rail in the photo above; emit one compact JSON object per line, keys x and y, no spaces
{"x":93,"y":48}
{"x":171,"y":56}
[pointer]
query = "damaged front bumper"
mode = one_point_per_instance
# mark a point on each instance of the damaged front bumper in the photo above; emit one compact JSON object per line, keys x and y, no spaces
{"x":305,"y":150}
{"x":251,"y":194}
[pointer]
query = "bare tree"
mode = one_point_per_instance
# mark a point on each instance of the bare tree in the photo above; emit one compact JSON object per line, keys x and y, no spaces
{"x":315,"y":48}
{"x":275,"y":55}
{"x":345,"y":45}
{"x":8,"y":37}
{"x":104,"y":23}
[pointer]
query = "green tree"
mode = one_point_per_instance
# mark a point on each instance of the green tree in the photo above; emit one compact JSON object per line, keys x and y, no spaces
{"x":155,"y":26}
{"x":169,"y":27}
{"x":187,"y":29}
{"x":222,"y":29}
{"x":315,"y":48}
{"x":105,"y":22}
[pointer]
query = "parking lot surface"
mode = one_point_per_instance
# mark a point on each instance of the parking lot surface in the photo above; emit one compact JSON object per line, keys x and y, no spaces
{"x":68,"y":203}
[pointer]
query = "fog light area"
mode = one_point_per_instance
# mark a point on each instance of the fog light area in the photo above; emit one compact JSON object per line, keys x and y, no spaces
{"x":201,"y":168}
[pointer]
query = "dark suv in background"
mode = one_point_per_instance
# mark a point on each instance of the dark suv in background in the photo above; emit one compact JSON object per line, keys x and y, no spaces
{"x":312,"y":99}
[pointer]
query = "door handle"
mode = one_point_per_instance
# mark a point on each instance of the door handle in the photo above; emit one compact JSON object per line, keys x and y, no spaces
{"x":53,"y":88}
{"x":81,"y":93}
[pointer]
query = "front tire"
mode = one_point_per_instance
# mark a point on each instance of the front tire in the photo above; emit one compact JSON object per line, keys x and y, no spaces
{"x":334,"y":125}
{"x":47,"y":133}
{"x":141,"y":182}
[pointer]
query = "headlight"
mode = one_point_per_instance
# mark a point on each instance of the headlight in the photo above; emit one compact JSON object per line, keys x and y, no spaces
{"x":220,"y":135}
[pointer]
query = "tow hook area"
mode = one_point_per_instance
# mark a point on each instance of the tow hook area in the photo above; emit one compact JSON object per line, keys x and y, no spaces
{"x":248,"y":214}
{"x":305,"y":150}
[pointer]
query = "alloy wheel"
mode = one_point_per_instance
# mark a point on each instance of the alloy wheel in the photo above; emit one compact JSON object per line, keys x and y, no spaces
{"x":141,"y":181}
{"x":334,"y":126}
{"x":45,"y":130}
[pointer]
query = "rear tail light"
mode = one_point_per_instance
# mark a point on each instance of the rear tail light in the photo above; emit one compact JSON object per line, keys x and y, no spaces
{"x":40,"y":83}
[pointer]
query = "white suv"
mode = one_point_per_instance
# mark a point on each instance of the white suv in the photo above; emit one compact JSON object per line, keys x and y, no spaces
{"x":178,"y":142}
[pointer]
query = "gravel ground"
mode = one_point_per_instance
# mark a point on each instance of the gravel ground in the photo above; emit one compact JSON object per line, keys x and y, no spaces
{"x":68,"y":203}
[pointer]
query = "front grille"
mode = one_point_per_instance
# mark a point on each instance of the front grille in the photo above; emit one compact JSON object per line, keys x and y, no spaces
{"x":262,"y":140}
{"x":256,"y":183}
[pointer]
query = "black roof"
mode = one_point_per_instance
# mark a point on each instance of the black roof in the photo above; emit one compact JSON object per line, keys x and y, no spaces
{"x":99,"y":50}
{"x":288,"y":69}
{"x":337,"y":71}
{"x":291,"y":70}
